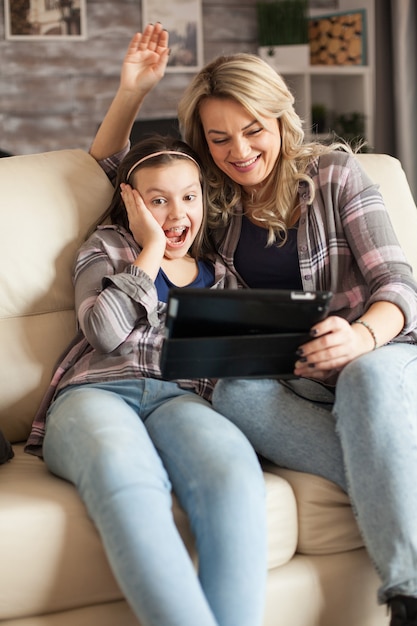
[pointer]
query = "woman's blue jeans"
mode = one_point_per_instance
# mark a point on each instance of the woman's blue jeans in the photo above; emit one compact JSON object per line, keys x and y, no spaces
{"x":364,"y":439}
{"x":123,"y":445}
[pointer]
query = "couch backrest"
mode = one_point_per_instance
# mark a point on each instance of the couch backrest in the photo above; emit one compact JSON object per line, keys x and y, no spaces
{"x":49,"y":200}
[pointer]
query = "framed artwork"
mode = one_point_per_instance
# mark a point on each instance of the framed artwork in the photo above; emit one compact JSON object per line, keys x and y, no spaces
{"x":338,"y":38}
{"x":183,"y":21}
{"x":45,"y":19}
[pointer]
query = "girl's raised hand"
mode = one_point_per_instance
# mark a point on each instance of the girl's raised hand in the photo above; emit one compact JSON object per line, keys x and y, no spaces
{"x":146,"y":59}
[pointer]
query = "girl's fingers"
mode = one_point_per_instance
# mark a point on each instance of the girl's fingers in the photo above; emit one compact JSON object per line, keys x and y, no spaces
{"x":127,"y":197}
{"x":152,"y":37}
{"x":131,"y":198}
{"x":145,"y":37}
{"x":162,"y":43}
{"x":134,"y":44}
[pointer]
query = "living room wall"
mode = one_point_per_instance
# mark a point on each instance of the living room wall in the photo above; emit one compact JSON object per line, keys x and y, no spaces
{"x":54,"y":93}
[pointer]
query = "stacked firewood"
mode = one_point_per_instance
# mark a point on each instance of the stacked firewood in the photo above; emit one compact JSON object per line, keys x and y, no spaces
{"x":337,"y":39}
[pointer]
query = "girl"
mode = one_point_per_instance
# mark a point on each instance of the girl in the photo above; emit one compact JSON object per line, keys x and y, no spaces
{"x":125,"y":437}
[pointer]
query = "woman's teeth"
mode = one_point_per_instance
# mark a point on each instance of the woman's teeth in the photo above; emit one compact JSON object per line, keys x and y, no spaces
{"x":246,"y":163}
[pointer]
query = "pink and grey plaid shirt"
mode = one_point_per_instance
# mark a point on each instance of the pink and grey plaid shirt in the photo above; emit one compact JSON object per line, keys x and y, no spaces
{"x":345,"y":241}
{"x":345,"y":244}
{"x":122,"y":322}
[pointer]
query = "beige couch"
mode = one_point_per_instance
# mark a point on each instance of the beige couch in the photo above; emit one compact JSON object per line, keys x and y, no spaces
{"x":53,"y":569}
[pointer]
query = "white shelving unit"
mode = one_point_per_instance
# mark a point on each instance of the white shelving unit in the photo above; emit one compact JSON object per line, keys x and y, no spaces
{"x":342,"y":89}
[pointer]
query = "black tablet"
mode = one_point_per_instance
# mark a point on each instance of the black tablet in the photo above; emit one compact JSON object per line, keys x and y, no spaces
{"x":218,"y":333}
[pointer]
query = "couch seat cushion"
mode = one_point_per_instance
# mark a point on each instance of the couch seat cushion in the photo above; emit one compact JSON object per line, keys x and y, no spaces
{"x":52,"y":556}
{"x":326,"y":524}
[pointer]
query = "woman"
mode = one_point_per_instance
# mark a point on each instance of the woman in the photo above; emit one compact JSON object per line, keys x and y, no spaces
{"x":288,"y":214}
{"x":123,"y":436}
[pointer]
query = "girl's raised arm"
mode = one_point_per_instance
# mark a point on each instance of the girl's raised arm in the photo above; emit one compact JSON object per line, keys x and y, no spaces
{"x":143,"y":67}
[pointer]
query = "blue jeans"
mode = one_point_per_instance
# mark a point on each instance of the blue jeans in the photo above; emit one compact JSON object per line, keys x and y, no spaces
{"x":123,"y":444}
{"x":364,"y":438}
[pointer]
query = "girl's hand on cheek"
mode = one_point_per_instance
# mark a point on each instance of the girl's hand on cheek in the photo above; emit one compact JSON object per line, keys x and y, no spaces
{"x":335,"y":344}
{"x":144,"y":227}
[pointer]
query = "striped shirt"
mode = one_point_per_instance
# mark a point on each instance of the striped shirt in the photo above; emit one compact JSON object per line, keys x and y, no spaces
{"x":345,"y":242}
{"x":121,"y":320}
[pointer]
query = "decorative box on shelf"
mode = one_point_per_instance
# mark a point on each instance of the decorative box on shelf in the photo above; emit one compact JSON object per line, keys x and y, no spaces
{"x":295,"y":55}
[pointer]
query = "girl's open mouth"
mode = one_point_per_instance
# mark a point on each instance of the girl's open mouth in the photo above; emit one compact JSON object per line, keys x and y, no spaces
{"x":176,"y":235}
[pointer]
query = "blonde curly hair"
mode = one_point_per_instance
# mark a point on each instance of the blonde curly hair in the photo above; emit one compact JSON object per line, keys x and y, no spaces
{"x":251,"y":82}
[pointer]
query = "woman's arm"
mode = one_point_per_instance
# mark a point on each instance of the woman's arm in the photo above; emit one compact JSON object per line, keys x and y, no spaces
{"x":372,"y":280}
{"x":143,"y":67}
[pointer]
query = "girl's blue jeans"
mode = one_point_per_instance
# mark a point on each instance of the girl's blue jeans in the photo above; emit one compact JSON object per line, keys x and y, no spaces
{"x":125,"y":445}
{"x":364,"y":438}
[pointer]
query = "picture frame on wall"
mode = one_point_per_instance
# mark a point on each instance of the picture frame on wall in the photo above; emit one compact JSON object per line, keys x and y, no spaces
{"x":183,"y":21}
{"x":45,"y":19}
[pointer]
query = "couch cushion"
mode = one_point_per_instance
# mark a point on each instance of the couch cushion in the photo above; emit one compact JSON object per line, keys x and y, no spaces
{"x":48,"y":202}
{"x":52,"y":557}
{"x":326,"y":523}
{"x":282,"y":520}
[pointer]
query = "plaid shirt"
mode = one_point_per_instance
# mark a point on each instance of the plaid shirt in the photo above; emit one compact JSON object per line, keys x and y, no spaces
{"x":121,"y":320}
{"x":346,"y":243}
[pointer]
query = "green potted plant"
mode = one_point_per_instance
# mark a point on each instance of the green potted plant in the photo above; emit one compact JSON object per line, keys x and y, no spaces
{"x":283,"y":32}
{"x":351,"y":128}
{"x":319,"y":115}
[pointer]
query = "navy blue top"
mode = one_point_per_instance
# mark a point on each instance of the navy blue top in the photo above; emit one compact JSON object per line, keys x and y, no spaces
{"x":205,"y":278}
{"x":267,"y":267}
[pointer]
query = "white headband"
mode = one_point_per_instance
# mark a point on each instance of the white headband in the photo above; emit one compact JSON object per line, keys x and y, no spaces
{"x":155,"y":154}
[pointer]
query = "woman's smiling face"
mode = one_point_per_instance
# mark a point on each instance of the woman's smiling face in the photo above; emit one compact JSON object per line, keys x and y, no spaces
{"x":244,"y":148}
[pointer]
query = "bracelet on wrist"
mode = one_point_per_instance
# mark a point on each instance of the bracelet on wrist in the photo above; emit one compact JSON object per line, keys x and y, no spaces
{"x":369,"y":329}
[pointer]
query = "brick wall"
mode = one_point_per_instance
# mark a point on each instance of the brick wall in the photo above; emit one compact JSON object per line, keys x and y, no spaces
{"x":54,"y":93}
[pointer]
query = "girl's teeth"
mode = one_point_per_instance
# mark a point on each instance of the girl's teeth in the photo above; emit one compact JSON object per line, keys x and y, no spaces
{"x":176,"y":229}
